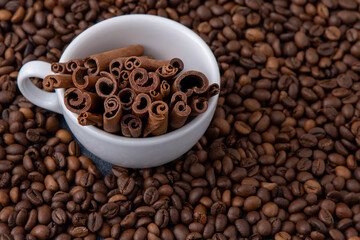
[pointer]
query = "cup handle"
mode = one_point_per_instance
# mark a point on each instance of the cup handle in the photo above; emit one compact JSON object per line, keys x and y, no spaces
{"x":35,"y":95}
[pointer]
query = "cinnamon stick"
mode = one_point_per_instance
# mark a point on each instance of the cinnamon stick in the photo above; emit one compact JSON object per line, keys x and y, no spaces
{"x":90,"y":119}
{"x":58,"y":68}
{"x":144,"y":62}
{"x":100,"y":62}
{"x":164,"y":89}
{"x":123,"y":81}
{"x":213,"y":90}
{"x":155,"y":95}
{"x":112,"y":115}
{"x":157,"y":123}
{"x":177,"y":63}
{"x":71,"y":65}
{"x":141,"y":105}
{"x":167,"y":71}
{"x":170,"y":70}
{"x":191,"y":82}
{"x":198,"y":105}
{"x":177,"y":97}
{"x":131,"y":126}
{"x":82,"y":80}
{"x":78,"y":100}
{"x":127,"y":97}
{"x":106,"y":85}
{"x":116,"y":66}
{"x":179,"y":114}
{"x":143,"y":82}
{"x":51,"y":82}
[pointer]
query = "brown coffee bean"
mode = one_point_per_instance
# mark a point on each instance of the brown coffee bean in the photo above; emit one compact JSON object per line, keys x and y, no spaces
{"x":242,"y":128}
{"x":332,"y":33}
{"x":95,"y":221}
{"x":41,"y":232}
{"x":126,"y":184}
{"x":59,"y":216}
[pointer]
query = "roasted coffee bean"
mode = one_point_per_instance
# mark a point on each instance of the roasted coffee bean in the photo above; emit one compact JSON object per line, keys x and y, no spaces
{"x":126,"y":184}
{"x":95,"y":221}
{"x":59,"y":216}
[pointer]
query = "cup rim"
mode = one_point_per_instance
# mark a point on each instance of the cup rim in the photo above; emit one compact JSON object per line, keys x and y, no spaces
{"x":184,"y":130}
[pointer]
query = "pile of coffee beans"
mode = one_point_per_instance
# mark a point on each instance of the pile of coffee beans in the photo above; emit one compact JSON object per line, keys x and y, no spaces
{"x":279,"y":160}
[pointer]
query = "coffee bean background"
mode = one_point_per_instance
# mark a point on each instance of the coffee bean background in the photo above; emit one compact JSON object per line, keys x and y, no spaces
{"x":279,"y":160}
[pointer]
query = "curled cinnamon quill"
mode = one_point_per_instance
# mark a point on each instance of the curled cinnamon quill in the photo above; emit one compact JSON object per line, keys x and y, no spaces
{"x":164,"y":89}
{"x":155,"y":95}
{"x":191,"y":82}
{"x":123,"y":80}
{"x":106,"y":85}
{"x":77,"y":101}
{"x":58,"y":68}
{"x":90,"y":119}
{"x":144,"y":62}
{"x":100,"y":62}
{"x":168,"y":71}
{"x":113,"y":114}
{"x":141,"y":104}
{"x":142,"y":81}
{"x":127,"y":97}
{"x":71,"y":65}
{"x":177,"y":63}
{"x":157,"y":122}
{"x":198,"y":105}
{"x":179,"y":114}
{"x":213,"y":90}
{"x":131,"y":126}
{"x":177,"y":97}
{"x":116,"y":66}
{"x":51,"y":82}
{"x":82,"y":80}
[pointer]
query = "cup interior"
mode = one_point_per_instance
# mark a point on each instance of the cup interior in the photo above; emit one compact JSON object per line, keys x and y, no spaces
{"x":162,"y":38}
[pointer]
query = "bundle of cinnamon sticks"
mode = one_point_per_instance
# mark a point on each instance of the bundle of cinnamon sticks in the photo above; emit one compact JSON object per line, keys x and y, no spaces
{"x":126,"y":93}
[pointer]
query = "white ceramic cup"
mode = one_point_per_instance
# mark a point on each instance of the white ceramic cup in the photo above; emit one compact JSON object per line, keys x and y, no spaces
{"x":161,"y":38}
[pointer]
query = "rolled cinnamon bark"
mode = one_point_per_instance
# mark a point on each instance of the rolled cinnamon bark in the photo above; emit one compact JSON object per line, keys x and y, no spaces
{"x":155,"y":95}
{"x":90,"y":119}
{"x":127,"y":97}
{"x":164,"y":89}
{"x":131,"y":126}
{"x":179,"y":114}
{"x":82,"y":80}
{"x":73,"y":64}
{"x":198,"y":105}
{"x":177,"y":97}
{"x":123,"y":81}
{"x":144,"y":62}
{"x":100,"y":62}
{"x":78,"y":100}
{"x":141,"y":105}
{"x":58,"y":68}
{"x":213,"y":90}
{"x":112,"y":115}
{"x":170,"y":70}
{"x":116,"y":66}
{"x":167,"y":71}
{"x":191,"y":82}
{"x":157,"y":123}
{"x":143,"y":82}
{"x":177,"y":63}
{"x":106,"y":85}
{"x":51,"y":82}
